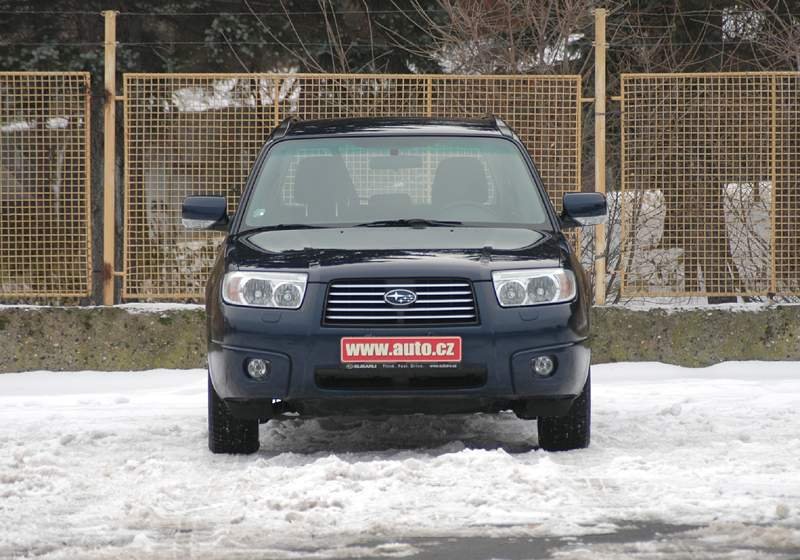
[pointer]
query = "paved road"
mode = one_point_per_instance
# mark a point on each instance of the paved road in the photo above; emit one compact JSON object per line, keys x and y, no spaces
{"x":634,"y":541}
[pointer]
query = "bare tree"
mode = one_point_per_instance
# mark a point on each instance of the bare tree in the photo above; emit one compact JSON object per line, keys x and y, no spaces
{"x":503,"y":36}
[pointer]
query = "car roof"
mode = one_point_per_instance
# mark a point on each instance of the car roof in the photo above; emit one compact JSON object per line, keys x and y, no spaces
{"x":393,"y":125}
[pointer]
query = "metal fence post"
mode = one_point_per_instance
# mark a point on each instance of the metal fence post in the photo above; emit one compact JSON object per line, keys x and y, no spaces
{"x":109,"y":156}
{"x":773,"y":164}
{"x":600,"y":149}
{"x":429,"y":97}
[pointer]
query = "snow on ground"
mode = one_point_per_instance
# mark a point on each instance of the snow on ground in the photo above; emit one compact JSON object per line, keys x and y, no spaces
{"x":677,"y":305}
{"x":115,"y":465}
{"x":160,"y":307}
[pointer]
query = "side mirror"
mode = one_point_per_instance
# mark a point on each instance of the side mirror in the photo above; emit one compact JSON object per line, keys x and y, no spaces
{"x":583,"y":209}
{"x":205,"y":212}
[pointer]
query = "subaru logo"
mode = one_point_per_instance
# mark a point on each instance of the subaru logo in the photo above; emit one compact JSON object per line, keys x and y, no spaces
{"x":400,"y":297}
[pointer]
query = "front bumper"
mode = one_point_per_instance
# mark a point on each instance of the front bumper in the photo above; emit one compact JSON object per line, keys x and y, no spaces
{"x":297,"y":345}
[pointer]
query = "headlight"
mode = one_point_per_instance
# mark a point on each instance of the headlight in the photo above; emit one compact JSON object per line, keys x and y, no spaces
{"x":264,"y":289}
{"x":533,"y":287}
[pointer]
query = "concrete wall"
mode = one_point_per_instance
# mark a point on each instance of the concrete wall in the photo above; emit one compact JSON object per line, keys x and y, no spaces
{"x":118,"y":339}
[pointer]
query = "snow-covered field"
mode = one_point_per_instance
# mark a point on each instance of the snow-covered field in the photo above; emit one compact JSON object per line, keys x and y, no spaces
{"x":115,"y":465}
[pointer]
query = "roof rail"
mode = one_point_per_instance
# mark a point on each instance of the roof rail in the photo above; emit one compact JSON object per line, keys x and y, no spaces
{"x":284,"y":126}
{"x":503,"y":127}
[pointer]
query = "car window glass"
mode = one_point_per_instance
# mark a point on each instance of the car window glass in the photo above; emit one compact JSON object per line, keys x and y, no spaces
{"x":350,"y":180}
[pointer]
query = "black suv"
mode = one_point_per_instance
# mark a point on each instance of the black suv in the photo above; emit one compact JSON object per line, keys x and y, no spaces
{"x":396,"y":265}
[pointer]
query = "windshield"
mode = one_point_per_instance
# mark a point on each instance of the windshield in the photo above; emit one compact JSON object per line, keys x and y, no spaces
{"x":386,"y":181}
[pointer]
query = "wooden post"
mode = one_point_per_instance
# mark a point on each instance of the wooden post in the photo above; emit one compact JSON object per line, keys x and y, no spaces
{"x":109,"y":156}
{"x":600,"y":149}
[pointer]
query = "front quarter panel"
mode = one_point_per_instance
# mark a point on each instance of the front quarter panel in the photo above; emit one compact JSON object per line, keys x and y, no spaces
{"x":580,"y":317}
{"x":215,"y":320}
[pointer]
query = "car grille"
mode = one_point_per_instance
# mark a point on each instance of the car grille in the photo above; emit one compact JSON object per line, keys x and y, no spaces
{"x":439,"y":301}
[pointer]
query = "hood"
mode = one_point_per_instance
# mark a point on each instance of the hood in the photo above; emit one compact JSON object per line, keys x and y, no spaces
{"x":465,"y":252}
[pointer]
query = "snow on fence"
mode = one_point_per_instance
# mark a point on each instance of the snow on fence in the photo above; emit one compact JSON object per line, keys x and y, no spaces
{"x":45,"y":227}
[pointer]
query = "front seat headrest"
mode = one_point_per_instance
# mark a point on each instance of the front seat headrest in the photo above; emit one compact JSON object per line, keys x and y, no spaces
{"x":460,"y":179}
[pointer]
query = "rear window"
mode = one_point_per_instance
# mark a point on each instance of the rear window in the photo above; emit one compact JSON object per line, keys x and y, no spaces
{"x":344,"y":181}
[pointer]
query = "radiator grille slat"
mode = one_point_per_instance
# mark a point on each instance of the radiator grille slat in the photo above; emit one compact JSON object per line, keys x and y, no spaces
{"x":442,"y":301}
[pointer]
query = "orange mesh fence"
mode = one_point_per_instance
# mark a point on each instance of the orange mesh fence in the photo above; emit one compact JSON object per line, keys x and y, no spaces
{"x":711,"y":184}
{"x":199,"y":133}
{"x":786,"y":198}
{"x":45,"y":227}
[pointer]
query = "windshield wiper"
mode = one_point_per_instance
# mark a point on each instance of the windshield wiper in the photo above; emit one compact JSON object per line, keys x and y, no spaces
{"x":410,"y":222}
{"x":278,"y":227}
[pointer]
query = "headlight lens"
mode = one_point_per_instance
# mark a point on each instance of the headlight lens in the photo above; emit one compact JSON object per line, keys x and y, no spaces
{"x":264,"y":289}
{"x":533,"y":287}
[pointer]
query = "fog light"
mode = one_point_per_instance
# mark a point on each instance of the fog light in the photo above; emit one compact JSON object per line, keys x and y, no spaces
{"x":543,"y":365}
{"x":257,"y":368}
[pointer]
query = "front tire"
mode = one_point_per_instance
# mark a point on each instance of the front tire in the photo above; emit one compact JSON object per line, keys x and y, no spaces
{"x":226,"y":433}
{"x":572,"y":431}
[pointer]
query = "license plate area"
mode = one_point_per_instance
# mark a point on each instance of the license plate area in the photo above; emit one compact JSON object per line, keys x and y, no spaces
{"x":400,"y":350}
